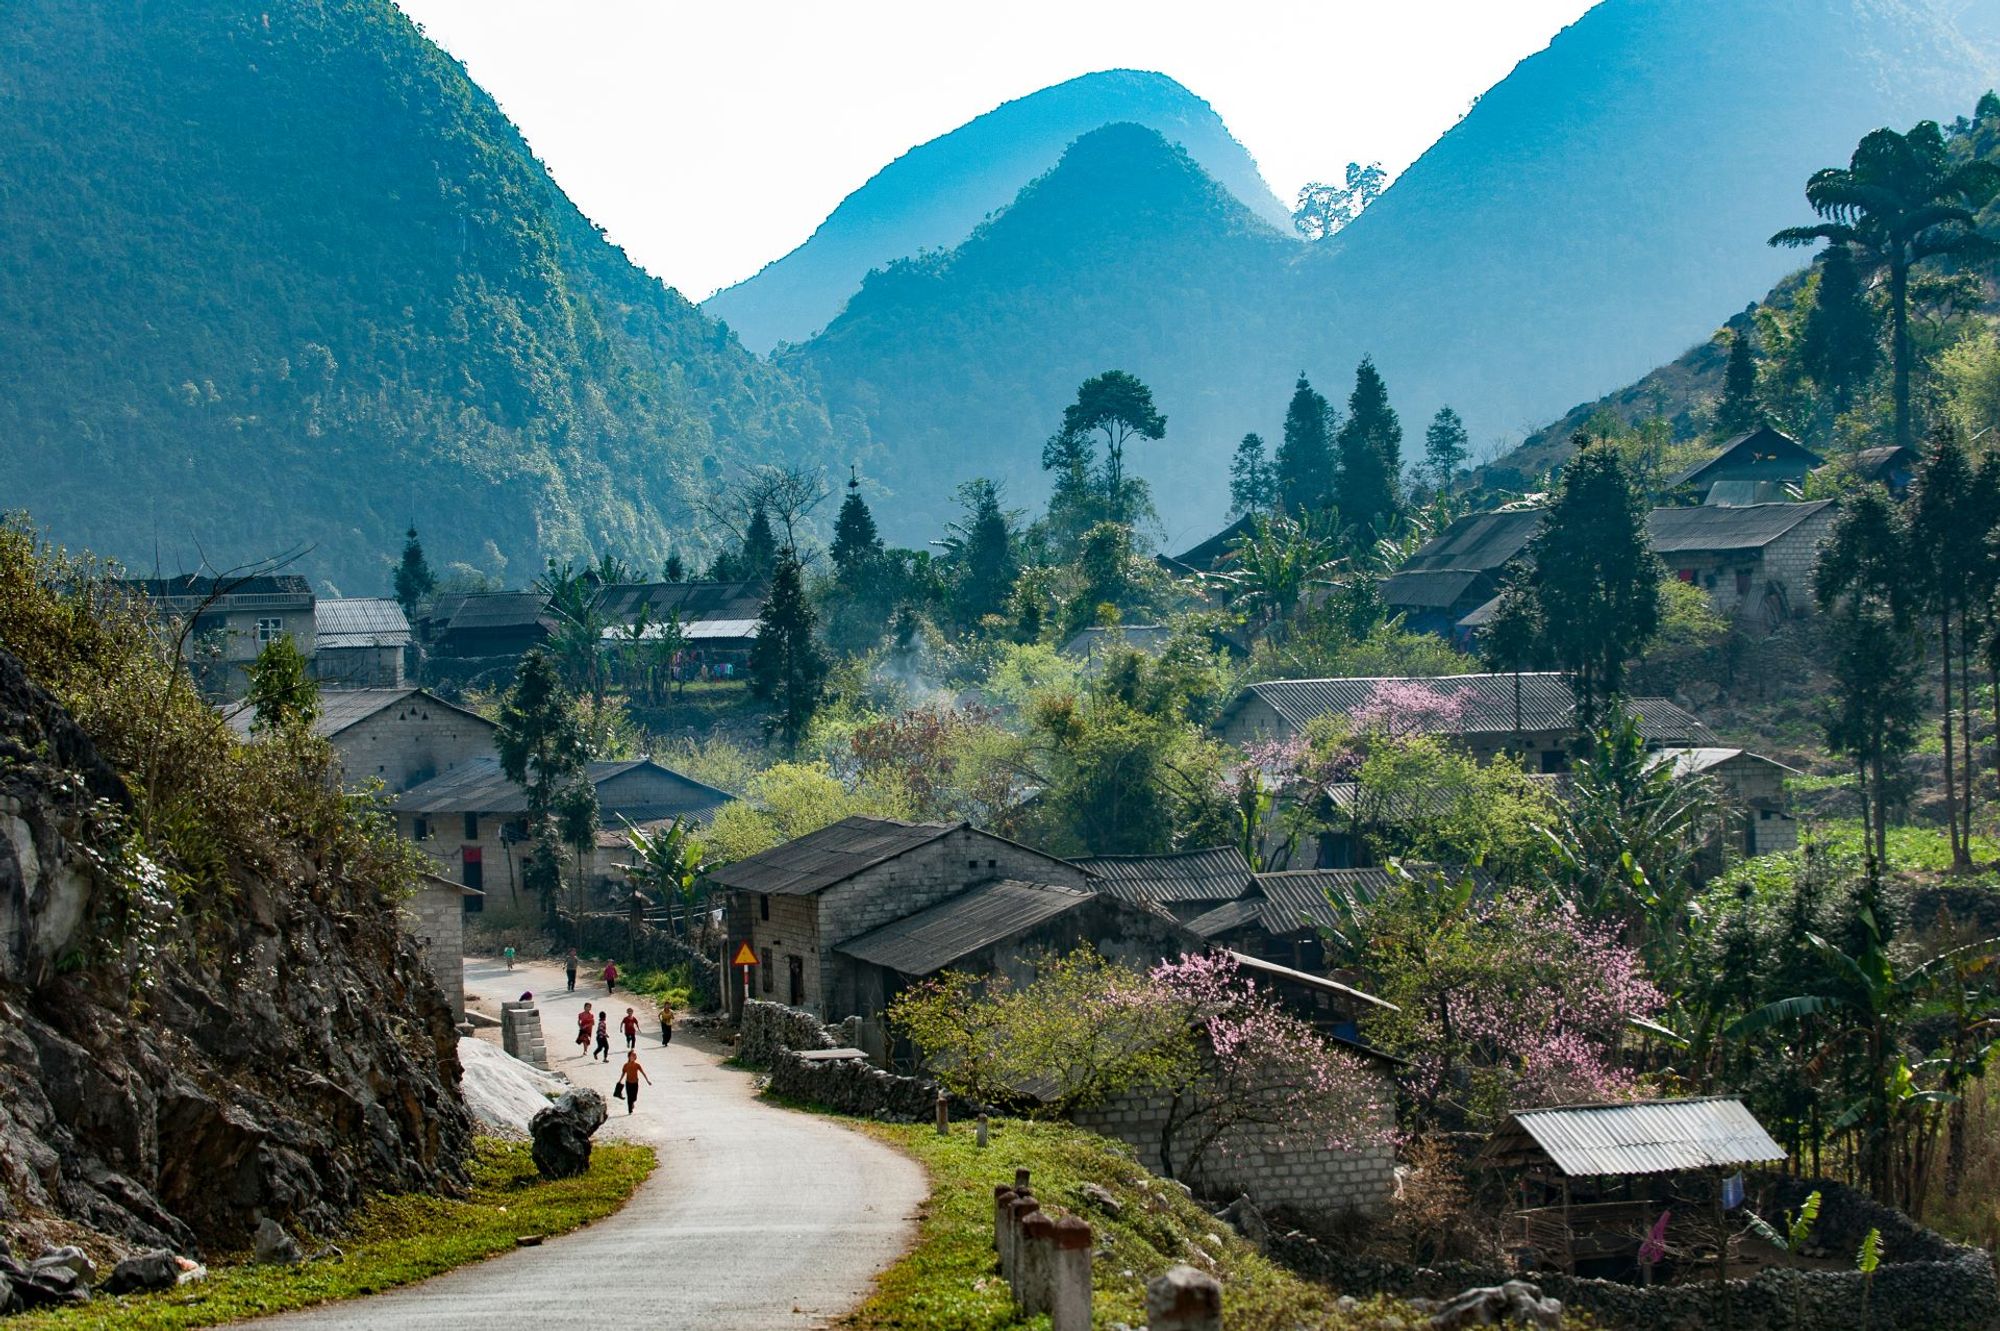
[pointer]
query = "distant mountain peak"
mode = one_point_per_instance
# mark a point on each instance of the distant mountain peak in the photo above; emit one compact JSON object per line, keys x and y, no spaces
{"x":932,"y":197}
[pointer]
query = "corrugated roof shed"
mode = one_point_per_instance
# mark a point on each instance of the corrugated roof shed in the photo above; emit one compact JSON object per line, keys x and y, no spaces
{"x":1228,"y":917}
{"x":816,"y":861}
{"x":488,"y":610}
{"x":1217,"y":874}
{"x":480,"y":786}
{"x":694,"y":601}
{"x":1208,"y":556}
{"x":1644,"y":1137}
{"x":1432,"y":589}
{"x":932,"y":939}
{"x":1687,"y":762}
{"x":1712,"y":530}
{"x":359,"y":621}
{"x":1486,"y":703}
{"x":1481,"y":542}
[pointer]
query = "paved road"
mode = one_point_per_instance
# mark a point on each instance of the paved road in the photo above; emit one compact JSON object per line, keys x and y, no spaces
{"x":757,"y":1217}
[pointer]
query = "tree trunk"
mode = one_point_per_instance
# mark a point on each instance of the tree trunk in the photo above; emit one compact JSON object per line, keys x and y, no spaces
{"x":1968,"y":739}
{"x":1899,"y":348}
{"x":1959,"y":858}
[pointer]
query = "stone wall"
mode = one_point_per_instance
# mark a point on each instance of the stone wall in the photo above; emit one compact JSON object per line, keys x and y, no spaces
{"x":768,"y":1028}
{"x":1299,"y":1174}
{"x":435,"y":916}
{"x":856,"y":1086}
{"x":647,"y":948}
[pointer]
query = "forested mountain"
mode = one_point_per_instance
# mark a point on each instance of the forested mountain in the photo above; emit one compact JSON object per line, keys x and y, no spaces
{"x":283,"y":275}
{"x":1127,"y":255}
{"x":1586,"y":220}
{"x":935,"y":194}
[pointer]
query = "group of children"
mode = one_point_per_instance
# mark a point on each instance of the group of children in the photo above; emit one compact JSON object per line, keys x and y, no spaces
{"x":597,"y":1025}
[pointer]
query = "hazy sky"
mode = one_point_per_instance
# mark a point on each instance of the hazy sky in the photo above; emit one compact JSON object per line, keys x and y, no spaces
{"x":710,"y":138}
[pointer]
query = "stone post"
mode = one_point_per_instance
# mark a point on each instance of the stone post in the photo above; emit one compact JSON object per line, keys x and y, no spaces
{"x":1038,"y":1241}
{"x":979,"y":1133}
{"x":943,"y":1114}
{"x":1021,"y":1183}
{"x":1069,"y":1276}
{"x":1184,"y":1299}
{"x":1011,"y":1256}
{"x":1002,"y":1195}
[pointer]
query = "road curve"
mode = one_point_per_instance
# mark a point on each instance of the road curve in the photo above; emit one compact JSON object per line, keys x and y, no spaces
{"x":757,"y":1219}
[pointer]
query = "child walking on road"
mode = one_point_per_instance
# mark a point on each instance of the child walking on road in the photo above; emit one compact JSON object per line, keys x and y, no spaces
{"x":631,"y":1028}
{"x":629,"y":1076}
{"x":610,"y":976}
{"x":666,"y":1023}
{"x":585,"y":1024}
{"x":603,"y":1036}
{"x":569,"y":969}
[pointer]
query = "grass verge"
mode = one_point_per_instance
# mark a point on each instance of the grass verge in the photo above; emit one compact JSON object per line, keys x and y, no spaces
{"x":950,"y":1281}
{"x":393,"y":1241}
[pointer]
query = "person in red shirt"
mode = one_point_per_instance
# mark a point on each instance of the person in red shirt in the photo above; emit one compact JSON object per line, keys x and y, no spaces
{"x":585,"y":1024}
{"x":610,"y":976}
{"x":631,"y":1028}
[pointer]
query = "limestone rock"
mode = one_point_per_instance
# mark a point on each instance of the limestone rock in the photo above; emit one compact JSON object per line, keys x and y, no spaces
{"x":1248,"y":1220}
{"x":1514,"y":1303}
{"x":144,"y":1273}
{"x":71,"y":1259}
{"x":274,"y":1247}
{"x":562,"y":1133}
{"x":1099,"y":1197}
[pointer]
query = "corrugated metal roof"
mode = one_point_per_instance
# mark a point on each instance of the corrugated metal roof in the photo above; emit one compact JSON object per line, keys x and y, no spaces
{"x":480,"y":786}
{"x":1687,"y":762}
{"x":1205,"y":557}
{"x":932,"y":939}
{"x":1762,"y":444}
{"x":1228,"y":917}
{"x":1148,"y":638}
{"x":1709,"y":530}
{"x":1433,"y":588}
{"x":1296,"y":899}
{"x":1217,"y":874}
{"x":1644,"y":1137}
{"x":1486,"y":703}
{"x":816,"y":861}
{"x":493,"y":610}
{"x":623,"y":602}
{"x":359,"y":621}
{"x":1481,"y":542}
{"x":341,"y":708}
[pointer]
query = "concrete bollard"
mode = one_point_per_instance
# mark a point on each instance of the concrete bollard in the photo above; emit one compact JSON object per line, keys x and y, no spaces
{"x":1011,"y":1258}
{"x":1002,"y":1194}
{"x":943,"y":1115}
{"x":979,"y":1133}
{"x":1069,"y":1276}
{"x":1021,"y":1183}
{"x":1184,"y":1299}
{"x":1038,"y":1241}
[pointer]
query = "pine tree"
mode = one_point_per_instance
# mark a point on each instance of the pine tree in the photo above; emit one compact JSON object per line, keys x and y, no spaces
{"x":982,"y":545}
{"x":283,"y":696}
{"x":542,"y":750}
{"x":1594,"y":577}
{"x":673,"y":570}
{"x":857,"y":547}
{"x":1840,"y":342}
{"x":1304,"y":471}
{"x":1253,"y":484}
{"x":1739,"y":411}
{"x":1446,"y":446}
{"x":787,"y":667}
{"x":760,"y":548}
{"x":414,"y":582}
{"x":1368,"y":467}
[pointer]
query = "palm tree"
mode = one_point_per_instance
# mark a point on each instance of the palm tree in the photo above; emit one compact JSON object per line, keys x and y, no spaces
{"x":1272,"y":566}
{"x":1899,"y":201}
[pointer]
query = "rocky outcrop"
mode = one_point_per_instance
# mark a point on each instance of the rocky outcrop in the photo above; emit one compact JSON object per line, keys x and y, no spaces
{"x":177,"y":1065}
{"x":562,"y":1133}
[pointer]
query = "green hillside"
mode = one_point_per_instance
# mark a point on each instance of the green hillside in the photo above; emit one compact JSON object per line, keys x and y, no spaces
{"x":284,"y":275}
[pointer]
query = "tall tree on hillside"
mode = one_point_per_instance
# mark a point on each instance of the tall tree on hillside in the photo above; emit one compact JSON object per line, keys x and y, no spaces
{"x":1863,"y":584}
{"x":415,"y":583}
{"x":1305,"y":457}
{"x":1840,"y":342}
{"x":787,"y":667}
{"x":857,"y":546}
{"x":1323,"y":209}
{"x":675,"y":569}
{"x":283,"y":695}
{"x":1594,"y":576}
{"x":1949,"y":569}
{"x":1899,"y":201}
{"x":1368,"y":460}
{"x":759,"y":556}
{"x":1446,"y":446}
{"x":1739,"y":412}
{"x":542,"y":750}
{"x":1117,"y":406}
{"x":1253,"y":481}
{"x":981,"y":547}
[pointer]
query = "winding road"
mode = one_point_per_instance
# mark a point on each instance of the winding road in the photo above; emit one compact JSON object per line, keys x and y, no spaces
{"x":757,"y":1217}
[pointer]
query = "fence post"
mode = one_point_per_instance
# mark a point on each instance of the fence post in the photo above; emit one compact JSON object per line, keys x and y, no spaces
{"x":1002,"y":1195}
{"x":1184,"y":1299}
{"x":1038,"y":1234}
{"x":979,"y":1133}
{"x":1069,"y":1276}
{"x":1011,"y":1256}
{"x":943,"y":1114}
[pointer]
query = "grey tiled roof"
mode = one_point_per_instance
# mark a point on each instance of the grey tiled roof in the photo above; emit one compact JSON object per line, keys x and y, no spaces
{"x":1218,"y":874}
{"x":1711,"y":529}
{"x":932,"y":939}
{"x":816,"y":861}
{"x":1426,"y":589}
{"x":341,"y":708}
{"x":490,"y":610}
{"x":480,"y":786}
{"x":359,"y":621}
{"x":1207,"y":556}
{"x":1546,"y":703}
{"x":1760,"y":444}
{"x":1480,"y":543}
{"x":1229,"y":916}
{"x":695,"y":601}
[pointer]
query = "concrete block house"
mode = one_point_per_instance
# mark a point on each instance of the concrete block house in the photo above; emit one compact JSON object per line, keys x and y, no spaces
{"x":1755,"y":562}
{"x":233,"y":619}
{"x":400,"y":737}
{"x":360,"y":642}
{"x":1759,"y":466}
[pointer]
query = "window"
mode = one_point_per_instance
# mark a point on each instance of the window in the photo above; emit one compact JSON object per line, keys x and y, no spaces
{"x":269,"y":628}
{"x":764,"y":907}
{"x":764,"y":969}
{"x":420,"y":829}
{"x":472,"y":827}
{"x":475,"y":869}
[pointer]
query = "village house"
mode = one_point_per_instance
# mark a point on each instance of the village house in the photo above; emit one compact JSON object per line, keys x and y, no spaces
{"x":434,"y":917}
{"x":1891,"y":466}
{"x":233,"y":619}
{"x":1752,"y":790}
{"x":717,"y":620}
{"x":1458,"y":570}
{"x":1755,"y":562}
{"x":796,"y":904}
{"x":360,"y":642}
{"x":1760,"y":466}
{"x":400,"y":737}
{"x":492,"y":628}
{"x":1184,"y":884}
{"x":1531,"y":716}
{"x":1210,"y":555}
{"x":473,"y":821}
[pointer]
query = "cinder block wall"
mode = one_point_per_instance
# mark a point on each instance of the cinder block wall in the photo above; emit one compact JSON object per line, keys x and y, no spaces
{"x":435,"y":917}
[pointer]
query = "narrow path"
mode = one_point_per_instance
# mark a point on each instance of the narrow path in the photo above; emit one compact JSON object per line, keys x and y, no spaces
{"x":757,"y":1217}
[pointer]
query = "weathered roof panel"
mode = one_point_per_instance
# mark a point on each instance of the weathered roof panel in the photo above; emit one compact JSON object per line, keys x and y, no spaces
{"x":481,"y":787}
{"x":1480,"y":542}
{"x":1217,"y":874}
{"x":1643,"y":1137}
{"x":932,"y":939}
{"x":1721,"y":529}
{"x":816,"y":861}
{"x":1486,"y":704}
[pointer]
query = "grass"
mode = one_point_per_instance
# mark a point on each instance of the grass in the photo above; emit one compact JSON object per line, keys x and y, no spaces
{"x":950,"y":1280}
{"x":1916,"y":848}
{"x":394,"y":1240}
{"x":675,"y":984}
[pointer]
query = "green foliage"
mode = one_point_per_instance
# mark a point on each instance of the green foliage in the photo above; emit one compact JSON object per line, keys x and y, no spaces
{"x":1840,"y":342}
{"x":1739,"y":412}
{"x":788,"y":800}
{"x":283,"y":693}
{"x":544,"y":751}
{"x":1446,"y":446}
{"x":1420,"y":798}
{"x":787,"y":667}
{"x":1368,"y":456}
{"x":1253,"y":478}
{"x":980,"y":550}
{"x":414,"y":581}
{"x":392,"y":1241}
{"x":1304,"y":465}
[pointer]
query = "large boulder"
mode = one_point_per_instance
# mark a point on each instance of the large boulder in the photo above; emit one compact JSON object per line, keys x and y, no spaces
{"x":143,"y":1274}
{"x":274,"y":1246}
{"x":562,"y":1133}
{"x":1515,"y":1303}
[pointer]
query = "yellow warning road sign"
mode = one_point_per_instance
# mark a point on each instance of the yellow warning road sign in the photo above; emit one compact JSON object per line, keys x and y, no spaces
{"x":744,"y":956}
